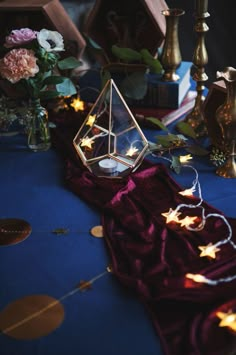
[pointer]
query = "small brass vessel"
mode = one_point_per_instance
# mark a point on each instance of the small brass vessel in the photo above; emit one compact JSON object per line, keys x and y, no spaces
{"x":226,"y":119}
{"x":171,"y":56}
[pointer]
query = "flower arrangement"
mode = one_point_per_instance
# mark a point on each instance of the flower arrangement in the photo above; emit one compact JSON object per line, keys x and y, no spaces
{"x":32,"y":62}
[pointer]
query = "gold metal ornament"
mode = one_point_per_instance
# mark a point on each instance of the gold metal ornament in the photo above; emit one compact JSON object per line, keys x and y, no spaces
{"x":13,"y":231}
{"x":200,"y":59}
{"x":171,"y":56}
{"x":226,"y":119}
{"x":97,"y":232}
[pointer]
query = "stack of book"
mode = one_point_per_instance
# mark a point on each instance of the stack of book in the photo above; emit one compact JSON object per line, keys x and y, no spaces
{"x":166,"y":101}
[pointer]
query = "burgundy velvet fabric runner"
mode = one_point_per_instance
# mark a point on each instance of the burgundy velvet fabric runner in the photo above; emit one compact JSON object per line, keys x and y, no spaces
{"x":152,"y":257}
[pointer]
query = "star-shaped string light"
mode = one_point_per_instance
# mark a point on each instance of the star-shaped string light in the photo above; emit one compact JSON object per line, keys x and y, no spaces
{"x":185,"y":158}
{"x":187,"y":221}
{"x":91,"y":120}
{"x":86,"y":142}
{"x":227,"y":320}
{"x":188,"y":192}
{"x":77,"y":104}
{"x":209,"y":250}
{"x":131,"y":151}
{"x":196,"y":277}
{"x":171,"y":216}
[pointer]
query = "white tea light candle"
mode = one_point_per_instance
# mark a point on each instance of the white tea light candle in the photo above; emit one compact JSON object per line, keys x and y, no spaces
{"x":107,"y":165}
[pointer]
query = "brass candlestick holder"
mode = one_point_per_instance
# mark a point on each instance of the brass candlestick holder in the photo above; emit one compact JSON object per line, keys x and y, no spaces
{"x":171,"y":55}
{"x":200,"y":58}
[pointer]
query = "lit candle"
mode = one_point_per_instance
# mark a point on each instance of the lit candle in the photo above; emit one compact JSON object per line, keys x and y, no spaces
{"x":107,"y":165}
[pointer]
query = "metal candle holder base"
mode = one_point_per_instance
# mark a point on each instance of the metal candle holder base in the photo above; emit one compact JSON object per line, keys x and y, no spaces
{"x":200,"y":58}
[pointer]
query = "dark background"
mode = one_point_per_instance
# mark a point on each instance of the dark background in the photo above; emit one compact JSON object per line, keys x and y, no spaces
{"x":220,"y":39}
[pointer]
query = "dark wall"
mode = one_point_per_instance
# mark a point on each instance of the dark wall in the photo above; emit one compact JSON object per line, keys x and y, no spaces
{"x":220,"y":39}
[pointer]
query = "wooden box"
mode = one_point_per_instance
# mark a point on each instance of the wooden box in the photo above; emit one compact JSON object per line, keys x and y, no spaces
{"x":134,"y":24}
{"x":215,"y":97}
{"x":38,"y":14}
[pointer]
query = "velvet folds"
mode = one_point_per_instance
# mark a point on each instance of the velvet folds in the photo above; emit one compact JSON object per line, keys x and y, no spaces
{"x":152,"y":258}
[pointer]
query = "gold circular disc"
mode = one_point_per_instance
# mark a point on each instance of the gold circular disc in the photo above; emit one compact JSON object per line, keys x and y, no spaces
{"x":97,"y":231}
{"x":13,"y":231}
{"x":31,"y":317}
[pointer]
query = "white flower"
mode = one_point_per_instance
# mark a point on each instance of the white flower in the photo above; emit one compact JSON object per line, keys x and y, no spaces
{"x":51,"y":41}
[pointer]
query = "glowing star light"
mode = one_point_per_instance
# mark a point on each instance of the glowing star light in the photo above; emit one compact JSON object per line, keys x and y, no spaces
{"x":188,"y":192}
{"x":171,"y":216}
{"x":131,"y":151}
{"x":185,"y":158}
{"x":87,"y":142}
{"x":227,"y":320}
{"x":91,"y":120}
{"x":77,"y":104}
{"x":209,"y":250}
{"x":187,"y":221}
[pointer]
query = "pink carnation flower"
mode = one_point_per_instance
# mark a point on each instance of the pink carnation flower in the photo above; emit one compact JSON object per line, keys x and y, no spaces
{"x":18,"y":64}
{"x":19,"y":37}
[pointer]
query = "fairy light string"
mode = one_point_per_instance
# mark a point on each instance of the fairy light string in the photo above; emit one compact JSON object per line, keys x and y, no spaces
{"x":173,"y":215}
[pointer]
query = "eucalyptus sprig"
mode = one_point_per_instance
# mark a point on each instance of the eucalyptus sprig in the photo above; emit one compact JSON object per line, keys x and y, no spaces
{"x":130,"y":64}
{"x":167,"y":141}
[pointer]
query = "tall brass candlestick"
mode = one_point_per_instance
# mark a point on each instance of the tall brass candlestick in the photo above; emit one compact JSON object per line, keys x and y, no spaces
{"x":200,"y":58}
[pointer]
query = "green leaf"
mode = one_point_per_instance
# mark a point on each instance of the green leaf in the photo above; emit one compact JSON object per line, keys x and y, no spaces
{"x":127,"y":55}
{"x":153,"y":63}
{"x":197,"y":150}
{"x":157,"y":122}
{"x":154,"y":146}
{"x":186,"y":129}
{"x":69,"y":63}
{"x":175,"y":164}
{"x":134,"y":86}
{"x":67,"y":88}
{"x":53,"y":80}
{"x":92,"y":43}
{"x":165,"y":140}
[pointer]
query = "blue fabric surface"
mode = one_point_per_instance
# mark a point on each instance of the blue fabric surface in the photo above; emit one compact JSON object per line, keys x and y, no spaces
{"x":104,"y":320}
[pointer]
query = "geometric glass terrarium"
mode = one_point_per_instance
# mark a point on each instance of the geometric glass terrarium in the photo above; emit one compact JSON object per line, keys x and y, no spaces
{"x":110,"y":143}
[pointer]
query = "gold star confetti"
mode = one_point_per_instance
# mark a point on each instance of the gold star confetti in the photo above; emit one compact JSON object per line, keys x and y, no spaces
{"x":171,"y":216}
{"x":187,"y":192}
{"x":209,"y":250}
{"x":91,"y":120}
{"x":77,"y":104}
{"x":87,"y":142}
{"x":97,"y":231}
{"x":185,"y":158}
{"x":131,"y":151}
{"x":84,"y":285}
{"x":227,"y":320}
{"x":187,"y":221}
{"x":60,"y":231}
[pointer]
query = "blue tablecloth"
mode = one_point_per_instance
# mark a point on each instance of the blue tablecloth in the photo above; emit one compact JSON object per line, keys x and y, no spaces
{"x":107,"y":319}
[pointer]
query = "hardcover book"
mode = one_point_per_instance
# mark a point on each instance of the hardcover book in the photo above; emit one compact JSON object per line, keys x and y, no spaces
{"x":159,"y":94}
{"x":165,"y":115}
{"x":168,"y":94}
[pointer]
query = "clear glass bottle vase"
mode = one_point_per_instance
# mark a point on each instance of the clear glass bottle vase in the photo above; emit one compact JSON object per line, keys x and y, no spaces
{"x":38,"y":127}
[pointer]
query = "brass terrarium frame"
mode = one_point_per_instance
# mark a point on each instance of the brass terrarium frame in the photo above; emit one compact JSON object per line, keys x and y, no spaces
{"x":110,"y":142}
